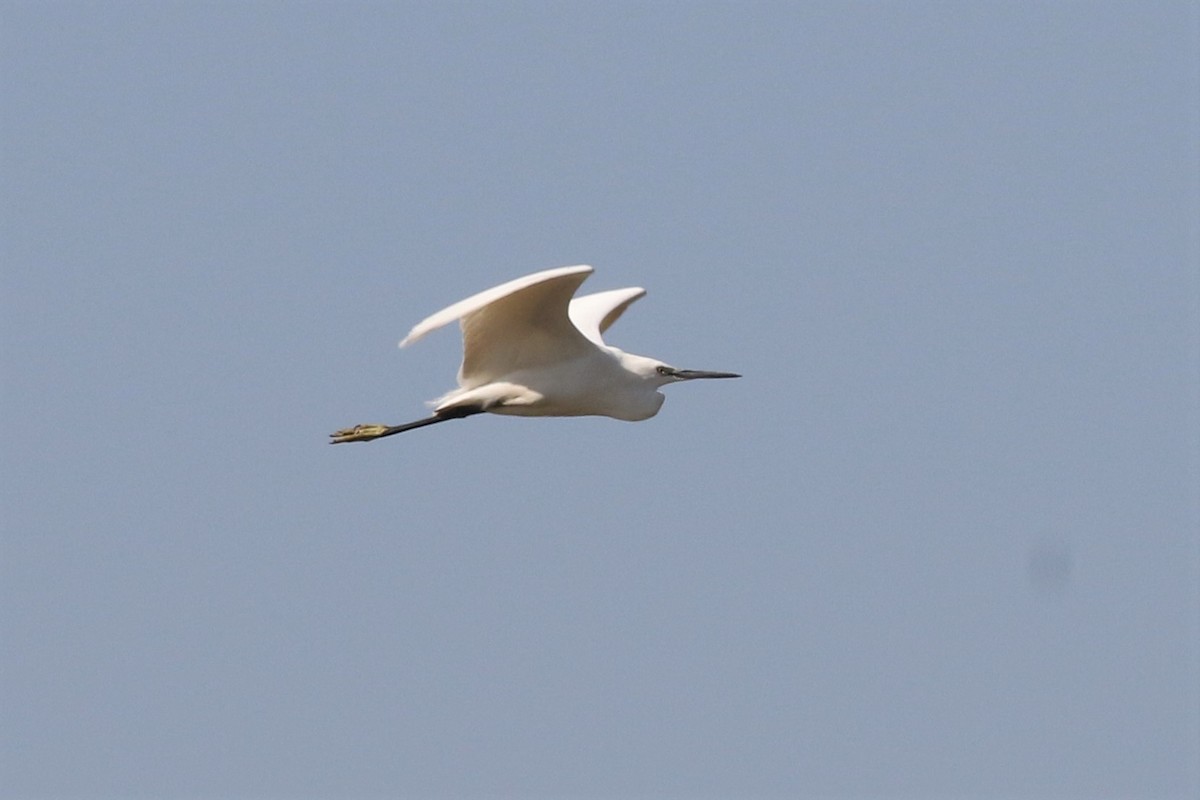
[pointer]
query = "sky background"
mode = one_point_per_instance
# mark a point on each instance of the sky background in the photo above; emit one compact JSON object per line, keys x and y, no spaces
{"x":940,"y":540}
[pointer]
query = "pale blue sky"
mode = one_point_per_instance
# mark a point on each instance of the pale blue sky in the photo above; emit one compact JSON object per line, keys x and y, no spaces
{"x":940,"y":540}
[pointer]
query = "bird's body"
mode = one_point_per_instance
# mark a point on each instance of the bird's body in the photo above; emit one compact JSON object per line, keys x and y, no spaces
{"x":595,"y":384}
{"x":530,"y":348}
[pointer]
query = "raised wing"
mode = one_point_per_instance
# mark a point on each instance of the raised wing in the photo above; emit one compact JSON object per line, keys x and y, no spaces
{"x":518,"y":325}
{"x":594,"y":313}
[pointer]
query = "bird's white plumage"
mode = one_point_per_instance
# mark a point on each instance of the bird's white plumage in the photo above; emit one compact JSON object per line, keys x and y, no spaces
{"x":521,"y":325}
{"x":531,"y":348}
{"x":594,"y":313}
{"x":477,"y":301}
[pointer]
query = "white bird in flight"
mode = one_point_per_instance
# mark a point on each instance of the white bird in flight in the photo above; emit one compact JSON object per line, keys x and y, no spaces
{"x":531,"y":350}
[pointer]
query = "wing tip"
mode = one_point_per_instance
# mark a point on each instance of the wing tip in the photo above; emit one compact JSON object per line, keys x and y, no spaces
{"x":413,"y":336}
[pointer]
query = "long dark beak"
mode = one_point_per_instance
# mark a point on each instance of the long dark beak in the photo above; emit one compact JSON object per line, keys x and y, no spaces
{"x":692,"y":374}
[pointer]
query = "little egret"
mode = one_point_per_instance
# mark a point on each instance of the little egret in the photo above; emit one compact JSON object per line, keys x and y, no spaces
{"x":531,"y":350}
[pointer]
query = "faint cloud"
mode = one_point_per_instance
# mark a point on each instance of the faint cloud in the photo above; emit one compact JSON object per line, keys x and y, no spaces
{"x":1049,"y":565}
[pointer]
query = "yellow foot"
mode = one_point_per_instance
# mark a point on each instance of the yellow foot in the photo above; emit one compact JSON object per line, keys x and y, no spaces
{"x":359,"y":433}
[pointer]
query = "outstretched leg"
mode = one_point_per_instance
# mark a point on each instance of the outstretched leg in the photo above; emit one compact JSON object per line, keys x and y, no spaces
{"x":365,"y":433}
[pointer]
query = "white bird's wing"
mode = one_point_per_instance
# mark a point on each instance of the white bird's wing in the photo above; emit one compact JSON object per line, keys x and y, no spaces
{"x":594,"y":313}
{"x":521,"y":324}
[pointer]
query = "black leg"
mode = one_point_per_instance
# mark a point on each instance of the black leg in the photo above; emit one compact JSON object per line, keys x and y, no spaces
{"x":367,"y":433}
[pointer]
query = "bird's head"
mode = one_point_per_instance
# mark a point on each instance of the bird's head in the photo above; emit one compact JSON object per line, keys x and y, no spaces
{"x":659,"y":374}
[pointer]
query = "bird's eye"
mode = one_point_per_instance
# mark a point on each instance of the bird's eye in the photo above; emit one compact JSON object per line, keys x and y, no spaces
{"x":664,"y":370}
